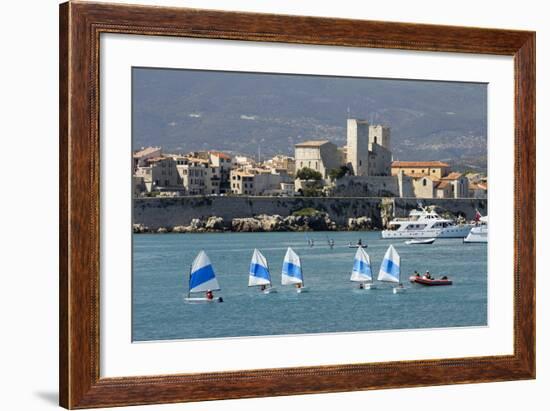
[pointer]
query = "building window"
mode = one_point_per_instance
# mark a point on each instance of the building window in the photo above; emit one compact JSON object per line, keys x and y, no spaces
{"x":424,"y":182}
{"x":360,"y":163}
{"x":375,"y":140}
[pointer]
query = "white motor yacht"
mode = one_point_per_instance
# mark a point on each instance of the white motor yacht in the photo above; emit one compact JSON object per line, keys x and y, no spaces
{"x":479,"y":233}
{"x":425,"y":223}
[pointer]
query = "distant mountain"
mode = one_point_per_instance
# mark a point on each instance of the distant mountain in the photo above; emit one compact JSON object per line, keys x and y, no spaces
{"x":184,"y":110}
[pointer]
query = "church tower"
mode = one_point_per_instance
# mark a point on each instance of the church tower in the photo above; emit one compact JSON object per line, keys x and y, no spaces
{"x":358,"y":146}
{"x":380,"y":135}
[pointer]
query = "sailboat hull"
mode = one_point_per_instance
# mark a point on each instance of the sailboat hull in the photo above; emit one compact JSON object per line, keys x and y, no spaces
{"x":301,"y":290}
{"x":269,"y":291}
{"x":398,"y":290}
{"x":366,"y":286}
{"x":203,"y":300}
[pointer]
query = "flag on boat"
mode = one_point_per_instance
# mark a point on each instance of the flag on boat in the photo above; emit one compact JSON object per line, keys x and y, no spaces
{"x":361,"y":266}
{"x":259,"y":271}
{"x":292,"y":268}
{"x":202,"y":276}
{"x":477,"y":216}
{"x":390,"y":269}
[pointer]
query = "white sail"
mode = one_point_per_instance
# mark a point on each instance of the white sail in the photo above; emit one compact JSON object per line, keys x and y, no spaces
{"x":361,"y":267}
{"x":202,"y":277}
{"x":259,"y":271}
{"x":292,"y":269}
{"x":390,"y":270}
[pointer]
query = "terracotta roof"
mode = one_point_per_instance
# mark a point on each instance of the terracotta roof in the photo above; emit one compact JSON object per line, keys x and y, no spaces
{"x":478,"y":186}
{"x":442,"y":184}
{"x":428,"y":164}
{"x":312,"y":143}
{"x":452,"y":176}
{"x":221,"y":155}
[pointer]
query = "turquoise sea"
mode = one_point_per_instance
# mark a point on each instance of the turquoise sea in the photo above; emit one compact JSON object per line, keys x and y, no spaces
{"x":161,"y":267}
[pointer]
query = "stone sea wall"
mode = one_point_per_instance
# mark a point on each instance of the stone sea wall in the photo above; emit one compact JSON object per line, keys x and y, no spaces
{"x":192,"y":214}
{"x":181,"y":211}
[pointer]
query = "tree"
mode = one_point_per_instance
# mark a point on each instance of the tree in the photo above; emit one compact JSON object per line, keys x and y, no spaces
{"x":339,"y":172}
{"x":309,"y":174}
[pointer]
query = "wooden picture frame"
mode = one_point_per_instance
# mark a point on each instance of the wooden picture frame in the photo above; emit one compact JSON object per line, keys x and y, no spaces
{"x":80,"y":27}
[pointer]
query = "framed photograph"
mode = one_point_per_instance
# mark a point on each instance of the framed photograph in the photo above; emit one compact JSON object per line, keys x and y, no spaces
{"x":260,"y":205}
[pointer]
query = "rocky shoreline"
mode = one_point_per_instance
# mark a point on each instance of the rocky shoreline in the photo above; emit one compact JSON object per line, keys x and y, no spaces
{"x":318,"y":221}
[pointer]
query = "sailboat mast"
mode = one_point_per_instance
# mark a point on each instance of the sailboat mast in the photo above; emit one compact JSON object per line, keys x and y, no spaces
{"x":270,"y":281}
{"x":189,"y":282}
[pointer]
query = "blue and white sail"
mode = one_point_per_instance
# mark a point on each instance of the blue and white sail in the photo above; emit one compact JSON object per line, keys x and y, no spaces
{"x":202,"y":277}
{"x":292,"y":269}
{"x":361,"y":267}
{"x":259,"y":271}
{"x":390,"y":270}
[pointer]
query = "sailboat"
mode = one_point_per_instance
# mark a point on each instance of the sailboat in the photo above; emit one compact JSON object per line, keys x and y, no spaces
{"x":292,"y":271}
{"x":259,"y":273}
{"x":390,"y":270}
{"x":362,"y":272}
{"x":202,"y":279}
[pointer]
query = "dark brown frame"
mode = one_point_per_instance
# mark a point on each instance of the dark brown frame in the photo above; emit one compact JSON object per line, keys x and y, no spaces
{"x":80,"y":27}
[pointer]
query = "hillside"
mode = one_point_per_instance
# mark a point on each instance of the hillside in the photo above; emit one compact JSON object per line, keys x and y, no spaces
{"x":185,"y":110}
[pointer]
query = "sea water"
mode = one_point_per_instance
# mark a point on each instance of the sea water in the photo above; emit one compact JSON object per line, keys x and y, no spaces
{"x":332,"y":304}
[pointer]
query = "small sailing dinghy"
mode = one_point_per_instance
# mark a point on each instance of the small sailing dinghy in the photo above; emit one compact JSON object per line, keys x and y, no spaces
{"x":358,"y":245}
{"x":202,"y":279}
{"x":390,"y":270}
{"x":420,"y":241}
{"x":258,"y":274}
{"x":292,"y":271}
{"x":362,"y":272}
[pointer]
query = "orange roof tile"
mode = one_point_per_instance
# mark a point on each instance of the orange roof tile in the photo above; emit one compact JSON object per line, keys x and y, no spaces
{"x":452,"y":176}
{"x":428,"y":164}
{"x":221,"y":155}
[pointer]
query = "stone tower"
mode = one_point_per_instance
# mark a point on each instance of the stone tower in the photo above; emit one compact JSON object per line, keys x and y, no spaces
{"x":358,"y":146}
{"x":380,"y":135}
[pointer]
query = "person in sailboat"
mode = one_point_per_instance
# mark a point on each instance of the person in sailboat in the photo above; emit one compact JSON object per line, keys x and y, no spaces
{"x":360,"y":242}
{"x":209,"y":295}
